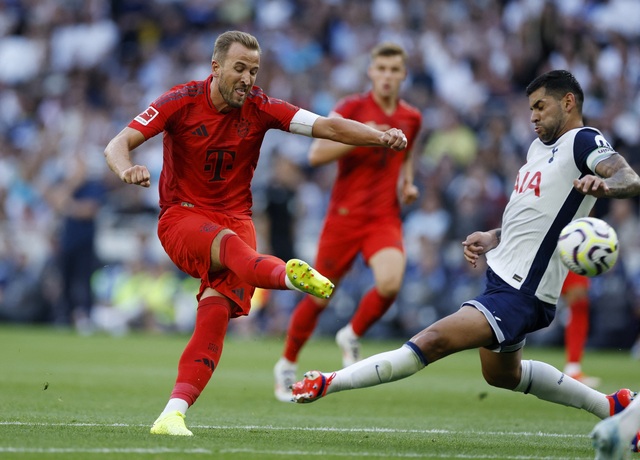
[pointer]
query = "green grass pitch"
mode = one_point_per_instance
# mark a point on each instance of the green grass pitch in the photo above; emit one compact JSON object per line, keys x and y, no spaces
{"x":75,"y":398}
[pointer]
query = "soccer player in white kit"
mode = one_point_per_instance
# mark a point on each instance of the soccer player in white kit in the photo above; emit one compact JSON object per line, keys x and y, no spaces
{"x":568,"y":166}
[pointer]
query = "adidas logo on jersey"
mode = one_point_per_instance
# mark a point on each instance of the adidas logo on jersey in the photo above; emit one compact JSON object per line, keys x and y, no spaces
{"x":201,"y":131}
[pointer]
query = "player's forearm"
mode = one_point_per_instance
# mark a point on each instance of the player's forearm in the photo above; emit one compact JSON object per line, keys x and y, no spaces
{"x":625,"y":183}
{"x":117,"y":155}
{"x":118,"y":151}
{"x":323,"y":151}
{"x":347,"y":132}
{"x":408,"y":168}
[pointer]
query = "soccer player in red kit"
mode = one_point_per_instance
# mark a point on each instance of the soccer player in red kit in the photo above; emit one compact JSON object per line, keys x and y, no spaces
{"x":212,"y":131}
{"x":364,"y":212}
{"x":575,"y":291}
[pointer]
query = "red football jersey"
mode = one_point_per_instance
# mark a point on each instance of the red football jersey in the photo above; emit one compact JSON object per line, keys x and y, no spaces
{"x":209,"y":157}
{"x":366,"y":185}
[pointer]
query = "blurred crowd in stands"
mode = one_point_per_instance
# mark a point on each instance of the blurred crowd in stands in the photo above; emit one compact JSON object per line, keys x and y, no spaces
{"x":78,"y":248}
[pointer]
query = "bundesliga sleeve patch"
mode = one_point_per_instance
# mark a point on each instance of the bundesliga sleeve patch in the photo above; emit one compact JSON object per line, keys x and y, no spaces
{"x":145,"y":117}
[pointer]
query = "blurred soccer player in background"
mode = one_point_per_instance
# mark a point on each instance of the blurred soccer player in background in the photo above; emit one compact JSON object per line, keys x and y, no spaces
{"x":575,"y":291}
{"x":567,"y":168}
{"x":363,"y":216}
{"x":213,"y":130}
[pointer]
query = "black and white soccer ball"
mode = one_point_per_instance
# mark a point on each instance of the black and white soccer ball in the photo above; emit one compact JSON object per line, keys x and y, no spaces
{"x":588,"y":246}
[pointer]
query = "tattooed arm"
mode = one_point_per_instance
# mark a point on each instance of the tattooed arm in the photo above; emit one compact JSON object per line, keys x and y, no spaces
{"x":618,"y":180}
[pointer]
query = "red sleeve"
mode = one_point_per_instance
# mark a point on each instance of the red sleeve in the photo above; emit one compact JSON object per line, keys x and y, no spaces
{"x":280,"y":113}
{"x":150,"y":122}
{"x":157,"y":116}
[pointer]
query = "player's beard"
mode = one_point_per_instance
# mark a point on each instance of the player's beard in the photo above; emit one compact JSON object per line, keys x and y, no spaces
{"x":549,"y":134}
{"x":229,"y":95}
{"x":554,"y":124}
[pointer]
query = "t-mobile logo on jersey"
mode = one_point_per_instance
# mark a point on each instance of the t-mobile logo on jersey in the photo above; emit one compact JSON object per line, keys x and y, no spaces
{"x":218,"y":161}
{"x":530,"y":181}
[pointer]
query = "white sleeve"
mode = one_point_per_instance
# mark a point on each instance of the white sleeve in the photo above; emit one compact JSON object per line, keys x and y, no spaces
{"x":302,"y":122}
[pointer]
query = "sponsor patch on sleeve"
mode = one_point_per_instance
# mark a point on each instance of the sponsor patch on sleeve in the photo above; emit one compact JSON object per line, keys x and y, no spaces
{"x":145,"y":117}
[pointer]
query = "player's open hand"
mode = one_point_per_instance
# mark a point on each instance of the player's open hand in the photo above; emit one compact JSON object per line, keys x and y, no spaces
{"x":394,"y":138}
{"x":138,"y":175}
{"x":476,"y":244}
{"x":591,"y":185}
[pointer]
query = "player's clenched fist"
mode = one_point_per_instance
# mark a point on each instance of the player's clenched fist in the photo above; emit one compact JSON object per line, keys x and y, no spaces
{"x":395,"y":139}
{"x":138,"y":175}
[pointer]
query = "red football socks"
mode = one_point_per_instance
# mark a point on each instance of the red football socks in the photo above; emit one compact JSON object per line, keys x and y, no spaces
{"x":577,"y":330}
{"x":372,"y":307}
{"x":303,"y":322}
{"x":259,"y":270}
{"x":202,"y":353}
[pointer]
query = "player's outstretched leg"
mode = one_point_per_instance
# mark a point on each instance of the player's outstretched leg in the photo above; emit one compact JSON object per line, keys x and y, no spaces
{"x":302,"y":277}
{"x":171,"y":424}
{"x":377,"y":369}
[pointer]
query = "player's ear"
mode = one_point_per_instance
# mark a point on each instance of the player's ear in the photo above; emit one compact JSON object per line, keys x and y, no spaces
{"x":569,"y":101}
{"x":370,"y":71}
{"x":215,"y":68}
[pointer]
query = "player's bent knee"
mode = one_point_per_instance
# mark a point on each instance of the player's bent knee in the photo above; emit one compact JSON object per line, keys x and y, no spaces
{"x":389,"y":288}
{"x":433,"y":345}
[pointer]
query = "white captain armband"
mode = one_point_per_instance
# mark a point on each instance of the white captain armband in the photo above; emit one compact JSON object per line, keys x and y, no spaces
{"x":602,"y":152}
{"x":302,"y":122}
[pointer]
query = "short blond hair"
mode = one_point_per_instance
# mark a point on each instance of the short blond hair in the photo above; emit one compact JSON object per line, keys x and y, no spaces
{"x":389,"y":49}
{"x":225,"y":40}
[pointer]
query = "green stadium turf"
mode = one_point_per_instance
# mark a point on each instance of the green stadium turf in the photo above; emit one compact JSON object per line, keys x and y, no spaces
{"x":68,"y":397}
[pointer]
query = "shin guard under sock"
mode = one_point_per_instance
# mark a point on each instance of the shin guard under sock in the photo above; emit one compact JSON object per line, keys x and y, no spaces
{"x":259,"y":270}
{"x":577,"y":329}
{"x":301,"y":326}
{"x":381,"y":368}
{"x":202,"y":353}
{"x":549,"y":384}
{"x":372,"y":307}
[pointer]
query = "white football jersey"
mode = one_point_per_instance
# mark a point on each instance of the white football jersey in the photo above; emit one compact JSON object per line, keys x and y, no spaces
{"x":542,"y":203}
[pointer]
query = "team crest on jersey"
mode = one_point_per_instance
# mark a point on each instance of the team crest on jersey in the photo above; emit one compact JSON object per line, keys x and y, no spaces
{"x":145,"y":117}
{"x":242,"y":127}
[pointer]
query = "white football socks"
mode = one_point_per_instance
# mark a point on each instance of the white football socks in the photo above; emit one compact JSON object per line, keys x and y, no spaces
{"x":175,"y":404}
{"x":549,"y":384}
{"x":381,"y":368}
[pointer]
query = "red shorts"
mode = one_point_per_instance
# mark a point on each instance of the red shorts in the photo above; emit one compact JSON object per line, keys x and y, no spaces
{"x":187,"y":234}
{"x":342,"y":238}
{"x":574,"y":280}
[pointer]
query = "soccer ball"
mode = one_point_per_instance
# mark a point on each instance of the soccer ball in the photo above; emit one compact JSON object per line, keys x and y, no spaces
{"x":588,"y":246}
